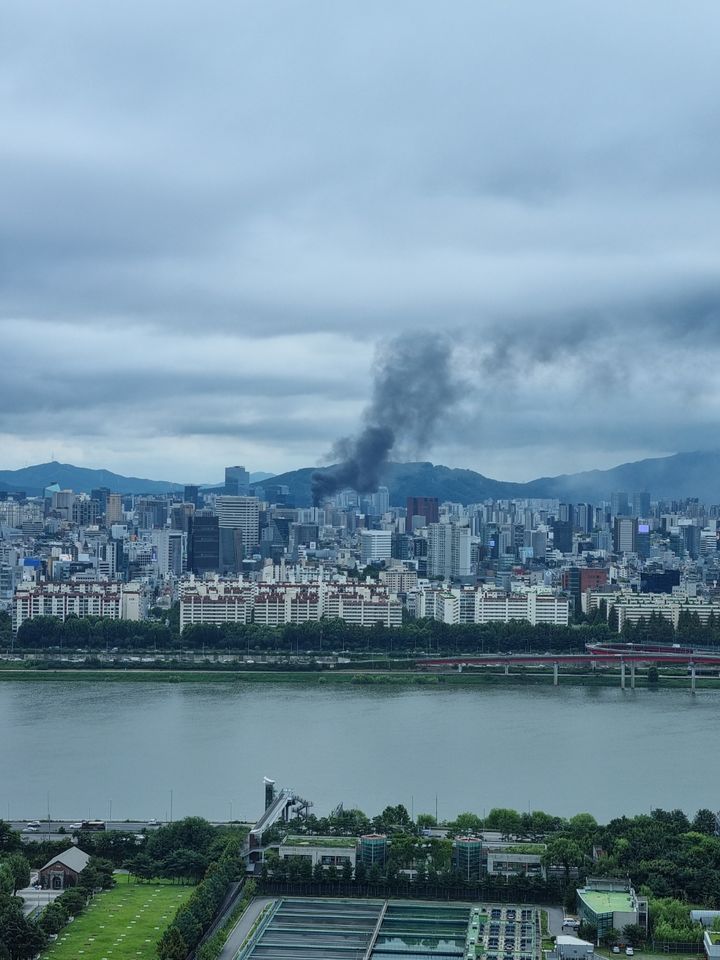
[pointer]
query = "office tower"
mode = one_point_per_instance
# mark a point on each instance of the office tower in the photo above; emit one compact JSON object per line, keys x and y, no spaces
{"x":239,"y":525}
{"x":237,"y":481}
{"x":191,"y":494}
{"x":538,"y":542}
{"x":562,"y":536}
{"x":625,"y":535}
{"x":169,"y":551}
{"x":641,"y":504}
{"x":578,"y":580}
{"x":448,"y":551}
{"x":566,"y":513}
{"x":619,"y":506}
{"x":642,"y":540}
{"x":203,"y":544}
{"x":375,"y":546}
{"x":426,"y":507}
{"x":114,"y":509}
{"x":100,"y":494}
{"x":583,"y":517}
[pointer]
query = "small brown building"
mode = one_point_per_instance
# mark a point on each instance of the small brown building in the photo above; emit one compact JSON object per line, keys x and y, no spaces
{"x":63,"y":870}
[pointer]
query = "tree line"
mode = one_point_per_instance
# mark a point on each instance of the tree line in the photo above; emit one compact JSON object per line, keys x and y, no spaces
{"x":323,"y":636}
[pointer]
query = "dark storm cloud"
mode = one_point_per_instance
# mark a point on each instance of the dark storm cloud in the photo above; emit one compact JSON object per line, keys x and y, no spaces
{"x":546,"y":191}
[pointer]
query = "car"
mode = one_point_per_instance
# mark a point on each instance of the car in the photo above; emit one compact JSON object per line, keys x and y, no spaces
{"x":629,"y":952}
{"x":616,"y":949}
{"x":30,"y":828}
{"x":153,"y":822}
{"x":33,"y":823}
{"x":75,"y":826}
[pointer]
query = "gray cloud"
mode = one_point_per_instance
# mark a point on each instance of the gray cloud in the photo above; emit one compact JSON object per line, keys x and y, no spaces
{"x":179,"y":187}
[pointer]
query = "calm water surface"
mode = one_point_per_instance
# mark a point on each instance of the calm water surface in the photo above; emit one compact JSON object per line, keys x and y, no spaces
{"x":562,"y":750}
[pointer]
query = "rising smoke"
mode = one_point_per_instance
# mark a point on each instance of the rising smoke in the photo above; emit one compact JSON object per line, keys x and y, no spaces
{"x":413,"y":386}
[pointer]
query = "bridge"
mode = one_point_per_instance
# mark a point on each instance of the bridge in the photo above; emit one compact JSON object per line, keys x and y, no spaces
{"x":596,"y":654}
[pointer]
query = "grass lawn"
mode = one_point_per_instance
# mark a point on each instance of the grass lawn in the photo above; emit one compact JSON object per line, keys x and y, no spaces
{"x":124,"y":923}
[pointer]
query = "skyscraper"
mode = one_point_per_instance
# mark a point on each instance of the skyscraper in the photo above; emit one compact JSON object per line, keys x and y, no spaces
{"x":448,"y":551}
{"x":239,"y":525}
{"x":192,"y":494}
{"x":426,"y":507}
{"x":641,"y":504}
{"x":625,"y":535}
{"x":237,"y":481}
{"x":203,"y":544}
{"x":114,"y":509}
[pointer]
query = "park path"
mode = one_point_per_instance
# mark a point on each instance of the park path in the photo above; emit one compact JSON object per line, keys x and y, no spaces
{"x":243,"y":927}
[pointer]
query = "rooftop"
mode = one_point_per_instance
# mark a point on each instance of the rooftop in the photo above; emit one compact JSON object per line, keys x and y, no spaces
{"x":299,"y":841}
{"x":607,"y":901}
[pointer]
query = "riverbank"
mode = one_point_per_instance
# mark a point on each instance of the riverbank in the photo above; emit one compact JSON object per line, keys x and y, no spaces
{"x":371,"y":678}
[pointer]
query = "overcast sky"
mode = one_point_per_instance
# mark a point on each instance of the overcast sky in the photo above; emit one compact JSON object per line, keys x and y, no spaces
{"x":211,"y":215}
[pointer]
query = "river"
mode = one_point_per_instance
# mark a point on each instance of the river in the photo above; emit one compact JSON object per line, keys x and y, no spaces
{"x":125,"y":749}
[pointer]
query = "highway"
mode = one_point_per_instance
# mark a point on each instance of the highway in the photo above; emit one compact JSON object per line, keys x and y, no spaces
{"x":51,"y":830}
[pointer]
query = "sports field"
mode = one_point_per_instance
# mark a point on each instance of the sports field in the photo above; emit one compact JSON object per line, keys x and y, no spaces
{"x":124,"y":923}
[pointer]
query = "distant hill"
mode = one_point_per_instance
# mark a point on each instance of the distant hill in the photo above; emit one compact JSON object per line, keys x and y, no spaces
{"x":681,"y":475}
{"x":415,"y":479}
{"x":33,"y":480}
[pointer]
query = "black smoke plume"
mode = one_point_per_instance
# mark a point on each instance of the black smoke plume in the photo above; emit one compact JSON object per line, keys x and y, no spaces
{"x":413,"y":387}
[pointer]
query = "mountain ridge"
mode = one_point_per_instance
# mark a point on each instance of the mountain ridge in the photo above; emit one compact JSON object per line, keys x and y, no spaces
{"x":680,"y":475}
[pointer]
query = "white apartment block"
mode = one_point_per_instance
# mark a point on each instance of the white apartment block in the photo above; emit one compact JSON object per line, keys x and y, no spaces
{"x":399,"y":579}
{"x":113,"y":601}
{"x":275,"y":604}
{"x":480,"y":605}
{"x":215,"y":602}
{"x":632,"y":607}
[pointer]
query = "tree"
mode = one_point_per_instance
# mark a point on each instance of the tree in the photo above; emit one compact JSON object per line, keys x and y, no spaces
{"x":54,"y":917}
{"x":634,"y":933}
{"x":7,"y":880}
{"x":561,"y":851}
{"x":426,"y":821}
{"x":9,"y":839}
{"x":466,"y":823}
{"x":508,"y":822}
{"x":20,"y":868}
{"x":171,"y":945}
{"x":705,"y":822}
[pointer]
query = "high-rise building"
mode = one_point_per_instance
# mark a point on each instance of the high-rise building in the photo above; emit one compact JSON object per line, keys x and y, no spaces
{"x":239,"y":525}
{"x":114,"y":509}
{"x":448,"y":551}
{"x":563,"y":535}
{"x":203,"y":544}
{"x":577,"y":580}
{"x":237,"y":481}
{"x":375,"y":546}
{"x":426,"y":507}
{"x":619,"y":506}
{"x":170,"y":553}
{"x":191,"y":494}
{"x":625,"y":535}
{"x":641,"y":504}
